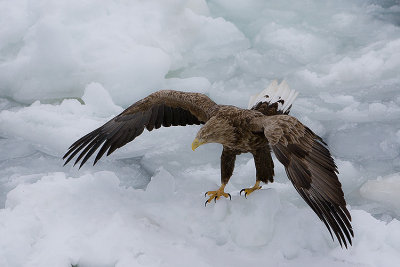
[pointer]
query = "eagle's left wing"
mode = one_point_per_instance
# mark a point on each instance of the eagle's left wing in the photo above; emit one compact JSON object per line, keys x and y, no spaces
{"x":310,"y":168}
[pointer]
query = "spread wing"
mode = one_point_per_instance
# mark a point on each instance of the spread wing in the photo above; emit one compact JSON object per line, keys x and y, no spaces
{"x":162,"y":108}
{"x":311,"y":169}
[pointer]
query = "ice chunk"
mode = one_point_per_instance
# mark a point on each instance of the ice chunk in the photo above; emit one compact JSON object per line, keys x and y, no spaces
{"x":365,"y":142}
{"x":350,"y":175}
{"x":253,"y":224}
{"x":99,"y":100}
{"x":127,"y":47}
{"x":52,"y":128}
{"x":161,"y":186}
{"x":384,"y":190}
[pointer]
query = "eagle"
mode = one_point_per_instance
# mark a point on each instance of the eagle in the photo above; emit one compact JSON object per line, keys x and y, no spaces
{"x":264,"y":126}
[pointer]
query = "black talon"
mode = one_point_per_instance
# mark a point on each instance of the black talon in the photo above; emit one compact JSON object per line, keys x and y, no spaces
{"x":205,"y":204}
{"x":205,"y":194}
{"x":215,"y":199}
{"x":245,"y":195}
{"x":230,"y":198}
{"x":240,"y":193}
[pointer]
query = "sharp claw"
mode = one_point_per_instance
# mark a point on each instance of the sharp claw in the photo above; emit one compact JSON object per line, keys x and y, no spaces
{"x":240,"y":193}
{"x":230,"y":198}
{"x":205,"y":194}
{"x":215,"y":199}
{"x":205,"y":204}
{"x":245,"y":195}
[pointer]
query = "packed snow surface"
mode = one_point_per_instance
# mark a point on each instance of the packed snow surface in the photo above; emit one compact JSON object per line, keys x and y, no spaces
{"x":66,"y":67}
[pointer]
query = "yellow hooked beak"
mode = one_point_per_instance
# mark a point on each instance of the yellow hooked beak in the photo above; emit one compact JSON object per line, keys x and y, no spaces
{"x":196,"y":143}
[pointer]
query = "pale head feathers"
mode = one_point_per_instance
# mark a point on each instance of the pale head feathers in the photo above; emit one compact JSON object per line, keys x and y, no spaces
{"x":217,"y":130}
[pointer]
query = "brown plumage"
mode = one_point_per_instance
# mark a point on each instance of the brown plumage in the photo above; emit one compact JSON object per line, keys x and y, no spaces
{"x":306,"y":158}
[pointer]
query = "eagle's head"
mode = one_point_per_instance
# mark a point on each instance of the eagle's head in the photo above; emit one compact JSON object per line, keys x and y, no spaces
{"x":216,"y":130}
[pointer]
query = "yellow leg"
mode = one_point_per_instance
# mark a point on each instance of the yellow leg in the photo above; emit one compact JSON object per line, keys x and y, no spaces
{"x":217,"y":194}
{"x":248,"y":191}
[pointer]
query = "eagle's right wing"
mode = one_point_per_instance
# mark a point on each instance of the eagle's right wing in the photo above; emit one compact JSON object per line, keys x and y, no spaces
{"x":162,"y":108}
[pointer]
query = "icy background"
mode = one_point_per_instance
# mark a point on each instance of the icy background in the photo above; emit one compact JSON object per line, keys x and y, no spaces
{"x":67,"y":66}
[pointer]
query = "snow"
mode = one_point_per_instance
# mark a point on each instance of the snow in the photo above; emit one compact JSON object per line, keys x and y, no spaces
{"x":67,"y":67}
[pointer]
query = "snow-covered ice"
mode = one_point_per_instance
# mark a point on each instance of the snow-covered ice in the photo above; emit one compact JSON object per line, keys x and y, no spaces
{"x":66,"y":67}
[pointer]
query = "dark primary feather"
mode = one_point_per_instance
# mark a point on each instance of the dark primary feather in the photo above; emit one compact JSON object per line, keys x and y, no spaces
{"x":163,"y":108}
{"x":310,"y":167}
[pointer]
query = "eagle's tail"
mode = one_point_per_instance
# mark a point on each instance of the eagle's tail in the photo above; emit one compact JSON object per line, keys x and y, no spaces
{"x":274,"y":93}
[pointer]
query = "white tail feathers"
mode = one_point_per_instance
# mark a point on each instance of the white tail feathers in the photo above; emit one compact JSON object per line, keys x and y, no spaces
{"x":273,"y":93}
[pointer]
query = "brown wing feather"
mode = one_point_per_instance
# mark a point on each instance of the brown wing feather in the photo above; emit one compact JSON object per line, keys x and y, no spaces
{"x":310,"y":167}
{"x":162,"y":108}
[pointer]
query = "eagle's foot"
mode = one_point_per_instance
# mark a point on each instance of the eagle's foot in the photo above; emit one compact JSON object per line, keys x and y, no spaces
{"x":216,"y":195}
{"x":248,"y":191}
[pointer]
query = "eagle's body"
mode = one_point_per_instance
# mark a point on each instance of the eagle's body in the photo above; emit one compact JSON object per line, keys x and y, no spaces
{"x":264,"y":126}
{"x":244,"y":140}
{"x":239,"y":138}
